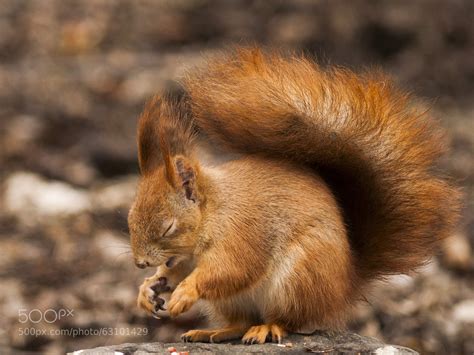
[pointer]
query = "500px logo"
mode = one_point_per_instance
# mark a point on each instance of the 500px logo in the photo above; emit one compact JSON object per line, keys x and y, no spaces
{"x":49,"y":316}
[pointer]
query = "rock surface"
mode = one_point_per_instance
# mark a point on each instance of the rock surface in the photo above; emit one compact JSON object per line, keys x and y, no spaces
{"x":319,"y":343}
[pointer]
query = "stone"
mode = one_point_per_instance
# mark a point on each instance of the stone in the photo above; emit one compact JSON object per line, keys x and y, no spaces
{"x":319,"y":343}
{"x":29,"y":195}
{"x":464,"y":312}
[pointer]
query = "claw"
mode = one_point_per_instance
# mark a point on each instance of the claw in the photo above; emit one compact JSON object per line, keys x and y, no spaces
{"x":159,"y":307}
{"x":159,"y":302}
{"x":162,"y":280}
{"x":161,"y":286}
{"x":156,"y":316}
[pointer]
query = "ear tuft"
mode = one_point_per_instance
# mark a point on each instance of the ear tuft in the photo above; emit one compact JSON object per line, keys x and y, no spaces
{"x":187,"y":177}
{"x":164,"y":130}
{"x":148,"y":145}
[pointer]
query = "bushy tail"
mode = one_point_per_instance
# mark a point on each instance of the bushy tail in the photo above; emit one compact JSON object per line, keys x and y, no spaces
{"x":374,"y":147}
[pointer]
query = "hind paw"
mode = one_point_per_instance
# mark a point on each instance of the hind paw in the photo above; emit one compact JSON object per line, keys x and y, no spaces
{"x":259,"y":334}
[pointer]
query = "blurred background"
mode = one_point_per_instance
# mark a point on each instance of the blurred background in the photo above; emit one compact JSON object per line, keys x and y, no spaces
{"x":74,"y":76}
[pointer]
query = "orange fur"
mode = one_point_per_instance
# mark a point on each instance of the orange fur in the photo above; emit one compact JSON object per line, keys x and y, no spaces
{"x":330,"y":185}
{"x":374,"y":145}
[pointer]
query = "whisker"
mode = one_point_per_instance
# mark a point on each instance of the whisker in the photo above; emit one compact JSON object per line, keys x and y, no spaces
{"x":125,"y":253}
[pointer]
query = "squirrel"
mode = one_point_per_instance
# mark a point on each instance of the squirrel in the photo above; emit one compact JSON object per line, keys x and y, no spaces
{"x":275,"y":191}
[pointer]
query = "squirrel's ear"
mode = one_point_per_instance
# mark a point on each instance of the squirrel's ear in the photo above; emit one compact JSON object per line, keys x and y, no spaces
{"x":186,"y":173}
{"x":147,"y":137}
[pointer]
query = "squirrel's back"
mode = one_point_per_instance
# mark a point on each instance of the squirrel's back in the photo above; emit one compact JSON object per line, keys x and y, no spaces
{"x":376,"y":149}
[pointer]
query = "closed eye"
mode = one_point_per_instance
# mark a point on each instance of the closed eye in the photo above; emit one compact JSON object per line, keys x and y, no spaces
{"x":170,"y":229}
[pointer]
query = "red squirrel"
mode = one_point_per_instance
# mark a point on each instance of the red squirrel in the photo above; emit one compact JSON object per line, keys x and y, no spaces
{"x":275,"y":191}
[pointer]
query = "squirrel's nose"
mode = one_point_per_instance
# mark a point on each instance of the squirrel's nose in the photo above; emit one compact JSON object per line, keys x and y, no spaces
{"x":142,"y":264}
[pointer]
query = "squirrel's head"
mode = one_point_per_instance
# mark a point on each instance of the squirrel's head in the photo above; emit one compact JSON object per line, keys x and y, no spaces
{"x":166,"y":214}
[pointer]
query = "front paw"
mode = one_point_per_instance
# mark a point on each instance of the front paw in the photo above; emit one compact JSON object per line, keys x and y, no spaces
{"x":148,"y":296}
{"x":182,"y":299}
